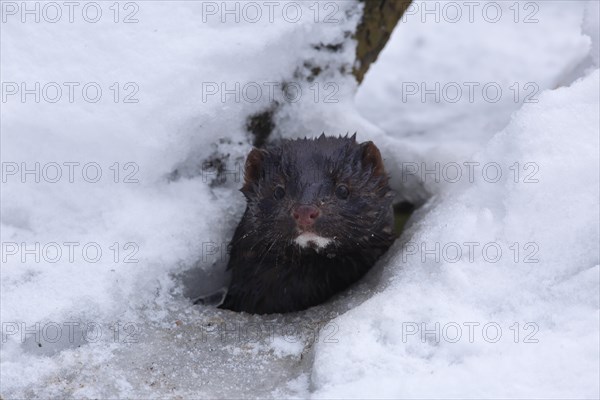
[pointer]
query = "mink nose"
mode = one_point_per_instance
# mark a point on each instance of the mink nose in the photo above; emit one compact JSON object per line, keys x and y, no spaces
{"x":305,"y":215}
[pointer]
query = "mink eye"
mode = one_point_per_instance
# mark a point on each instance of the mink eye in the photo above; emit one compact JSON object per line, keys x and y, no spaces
{"x":342,"y":192}
{"x":279,"y":193}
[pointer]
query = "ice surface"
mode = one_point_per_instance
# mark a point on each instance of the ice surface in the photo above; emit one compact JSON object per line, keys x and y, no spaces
{"x":129,"y":329}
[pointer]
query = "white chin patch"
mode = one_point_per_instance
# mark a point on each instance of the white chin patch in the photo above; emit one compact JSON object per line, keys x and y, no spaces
{"x":309,"y":239}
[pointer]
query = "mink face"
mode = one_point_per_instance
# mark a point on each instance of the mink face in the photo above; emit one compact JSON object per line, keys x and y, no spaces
{"x":318,"y":216}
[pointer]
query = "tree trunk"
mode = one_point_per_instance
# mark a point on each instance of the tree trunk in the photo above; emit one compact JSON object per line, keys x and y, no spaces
{"x":379,"y":20}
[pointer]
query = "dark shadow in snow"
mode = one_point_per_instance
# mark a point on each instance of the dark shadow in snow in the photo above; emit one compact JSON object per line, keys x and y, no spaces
{"x":205,"y":286}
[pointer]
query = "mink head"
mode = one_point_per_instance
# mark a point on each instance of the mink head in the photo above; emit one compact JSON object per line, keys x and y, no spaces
{"x":324,"y":193}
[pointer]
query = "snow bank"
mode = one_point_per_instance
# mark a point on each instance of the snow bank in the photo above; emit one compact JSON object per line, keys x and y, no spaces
{"x":440,"y":90}
{"x":160,"y":218}
{"x":126,"y":103}
{"x":522,"y":323}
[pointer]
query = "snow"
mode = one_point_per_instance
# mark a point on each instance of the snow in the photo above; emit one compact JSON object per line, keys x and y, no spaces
{"x":397,"y":351}
{"x":528,"y":317}
{"x":483,"y":76}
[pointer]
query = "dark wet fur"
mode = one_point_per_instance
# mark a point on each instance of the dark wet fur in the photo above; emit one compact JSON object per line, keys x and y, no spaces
{"x":270,"y":272}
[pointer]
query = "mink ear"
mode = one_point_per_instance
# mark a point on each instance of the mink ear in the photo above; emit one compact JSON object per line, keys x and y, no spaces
{"x":253,"y":168}
{"x":371,"y":158}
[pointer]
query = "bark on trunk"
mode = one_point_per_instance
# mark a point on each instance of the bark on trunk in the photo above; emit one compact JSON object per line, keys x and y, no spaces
{"x":379,"y":20}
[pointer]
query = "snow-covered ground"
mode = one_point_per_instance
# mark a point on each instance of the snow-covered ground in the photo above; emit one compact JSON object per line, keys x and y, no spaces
{"x":490,"y":120}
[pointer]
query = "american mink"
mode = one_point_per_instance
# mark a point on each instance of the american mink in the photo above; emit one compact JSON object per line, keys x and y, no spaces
{"x":318,"y":216}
